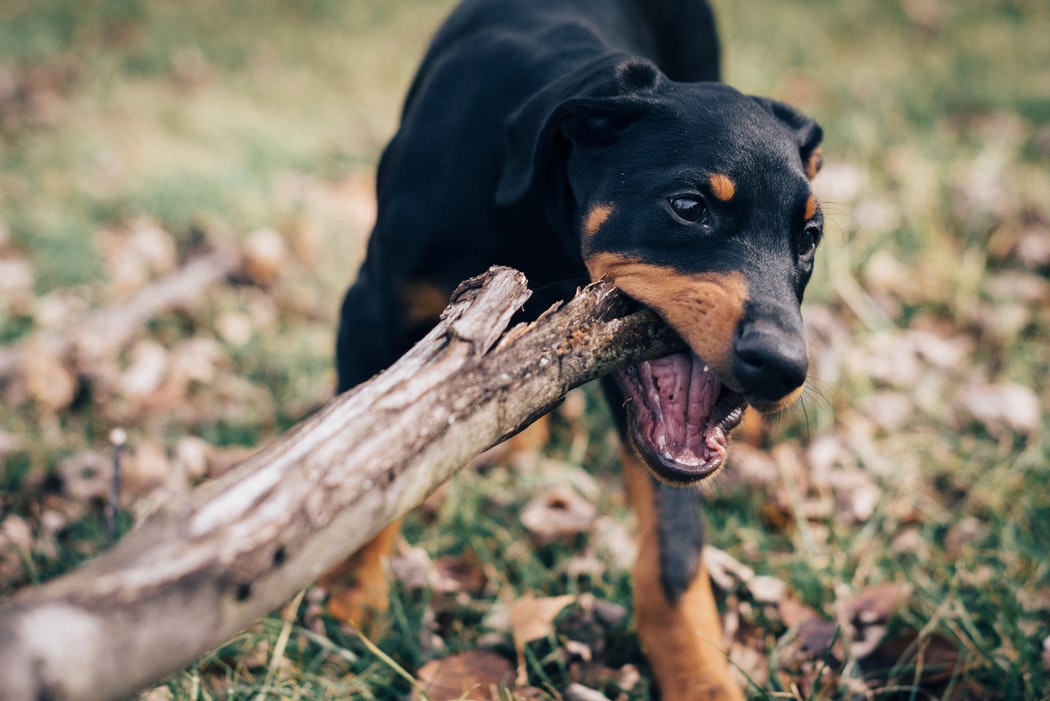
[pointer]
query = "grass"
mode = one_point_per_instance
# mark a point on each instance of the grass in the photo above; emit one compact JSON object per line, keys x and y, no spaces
{"x":930,"y":302}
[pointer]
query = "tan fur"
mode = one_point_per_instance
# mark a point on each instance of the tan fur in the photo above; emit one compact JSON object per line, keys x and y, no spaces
{"x":811,"y":207}
{"x":358,"y":589}
{"x":598,"y":215}
{"x":533,"y":439}
{"x":424,"y":301}
{"x":682,"y":641}
{"x":704,"y":308}
{"x":814,"y":162}
{"x":722,"y":186}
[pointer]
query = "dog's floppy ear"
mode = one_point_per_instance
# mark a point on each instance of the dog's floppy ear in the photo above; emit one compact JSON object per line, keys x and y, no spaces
{"x":588,"y":106}
{"x":807,"y":133}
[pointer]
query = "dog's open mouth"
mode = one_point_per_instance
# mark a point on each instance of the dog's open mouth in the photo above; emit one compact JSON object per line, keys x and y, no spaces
{"x":680,"y":415}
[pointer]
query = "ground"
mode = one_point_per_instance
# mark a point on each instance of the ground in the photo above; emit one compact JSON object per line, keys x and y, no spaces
{"x":886,"y":538}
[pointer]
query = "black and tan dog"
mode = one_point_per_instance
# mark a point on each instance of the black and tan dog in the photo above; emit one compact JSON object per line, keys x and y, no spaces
{"x":580,"y":139}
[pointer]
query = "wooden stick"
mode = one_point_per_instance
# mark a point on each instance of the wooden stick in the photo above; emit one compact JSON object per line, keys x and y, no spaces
{"x":106,"y":330}
{"x":212,"y":562}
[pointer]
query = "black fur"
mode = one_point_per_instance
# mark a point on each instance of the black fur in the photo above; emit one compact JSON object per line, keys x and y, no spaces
{"x":525,"y":116}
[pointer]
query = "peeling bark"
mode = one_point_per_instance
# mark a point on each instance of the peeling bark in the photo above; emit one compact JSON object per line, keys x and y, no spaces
{"x":212,"y":562}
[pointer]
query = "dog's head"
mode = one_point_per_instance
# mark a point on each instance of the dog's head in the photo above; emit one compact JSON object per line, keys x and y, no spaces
{"x":693,"y":199}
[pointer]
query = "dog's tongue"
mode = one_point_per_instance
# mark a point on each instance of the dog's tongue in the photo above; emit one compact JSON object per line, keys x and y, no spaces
{"x":680,"y":415}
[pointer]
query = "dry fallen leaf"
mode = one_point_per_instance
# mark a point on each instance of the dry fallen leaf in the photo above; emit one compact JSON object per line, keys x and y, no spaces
{"x":192,"y":456}
{"x":147,"y":368}
{"x":86,"y":476}
{"x":856,"y":495}
{"x":613,"y":540}
{"x":134,"y":252}
{"x":926,"y":661}
{"x":559,"y":512}
{"x":579,"y":692}
{"x":411,"y":567}
{"x":454,"y":575}
{"x":725,"y":570}
{"x":264,"y":256}
{"x":793,"y":612}
{"x":16,"y":532}
{"x":767,"y":590}
{"x":198,"y":359}
{"x":48,"y":379}
{"x":532,"y":619}
{"x":808,"y":655}
{"x":160,"y":693}
{"x":869,"y":612}
{"x":1002,"y":408}
{"x":236,"y":328}
{"x":473,"y":675}
{"x":16,"y":284}
{"x":1033,"y":246}
{"x":146,"y":467}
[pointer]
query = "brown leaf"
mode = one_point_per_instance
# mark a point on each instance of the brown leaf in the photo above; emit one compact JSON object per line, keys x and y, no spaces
{"x":192,"y":457}
{"x":160,"y":693}
{"x":1002,"y":408}
{"x":963,"y":532}
{"x":86,"y":476}
{"x":532,"y":619}
{"x":877,"y":603}
{"x":856,"y":495}
{"x":16,"y":283}
{"x":579,"y":692}
{"x":264,"y":256}
{"x":453,"y":575}
{"x":234,"y":327}
{"x":473,"y":675}
{"x":612,"y":539}
{"x":198,"y":359}
{"x":16,"y":532}
{"x":928,"y":661}
{"x":559,"y":512}
{"x":135,"y":252}
{"x":725,"y":570}
{"x":767,"y":590}
{"x":1033,"y":246}
{"x":48,"y":379}
{"x":870,"y":611}
{"x":145,"y":468}
{"x":808,"y":656}
{"x":147,"y":368}
{"x":411,"y":566}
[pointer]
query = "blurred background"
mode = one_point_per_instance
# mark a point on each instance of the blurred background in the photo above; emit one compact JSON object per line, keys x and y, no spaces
{"x":886,"y":538}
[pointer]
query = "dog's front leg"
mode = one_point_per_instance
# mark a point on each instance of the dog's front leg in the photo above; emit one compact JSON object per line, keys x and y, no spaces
{"x":675,"y":611}
{"x":358,"y":587}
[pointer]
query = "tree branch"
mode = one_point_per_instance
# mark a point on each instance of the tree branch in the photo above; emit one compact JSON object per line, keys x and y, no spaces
{"x":105,"y":330}
{"x":212,"y":562}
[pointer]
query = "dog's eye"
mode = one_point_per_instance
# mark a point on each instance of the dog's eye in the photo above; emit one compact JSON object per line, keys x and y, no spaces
{"x":807,"y":243}
{"x":690,"y":209}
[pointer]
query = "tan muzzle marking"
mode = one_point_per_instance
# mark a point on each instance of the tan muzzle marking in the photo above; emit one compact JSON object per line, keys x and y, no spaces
{"x":703,"y":308}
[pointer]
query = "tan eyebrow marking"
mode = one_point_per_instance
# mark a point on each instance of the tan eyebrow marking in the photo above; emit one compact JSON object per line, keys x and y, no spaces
{"x":811,"y":207}
{"x":722,"y":186}
{"x":595,"y":218}
{"x":424,"y":301}
{"x":814,"y":162}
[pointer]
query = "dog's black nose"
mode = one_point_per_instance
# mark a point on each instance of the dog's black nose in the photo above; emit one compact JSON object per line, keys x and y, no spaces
{"x":770,"y":363}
